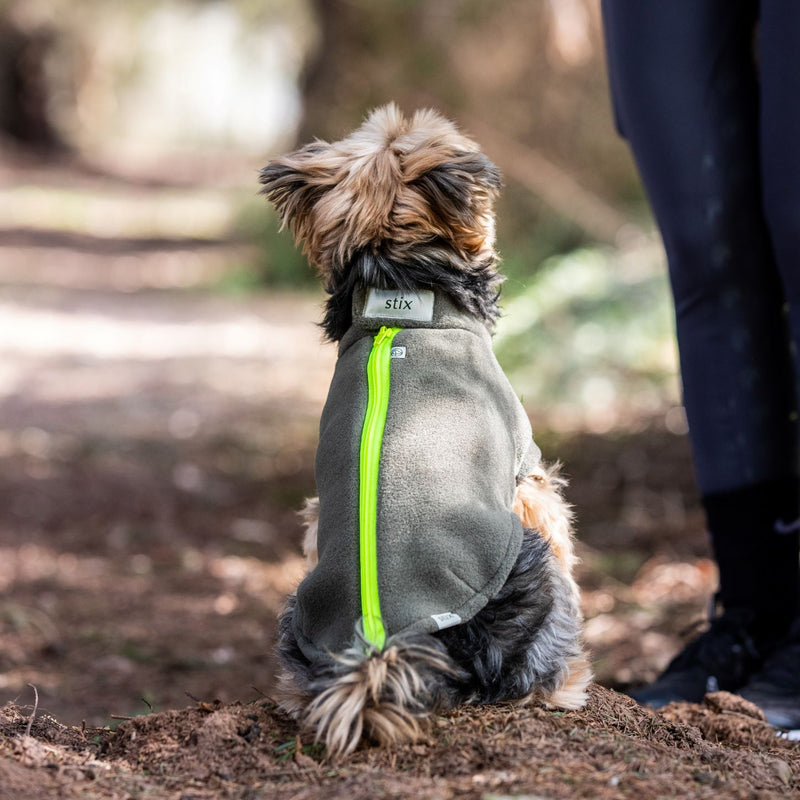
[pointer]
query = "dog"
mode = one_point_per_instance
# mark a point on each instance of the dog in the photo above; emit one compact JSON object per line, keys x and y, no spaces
{"x":439,"y":550}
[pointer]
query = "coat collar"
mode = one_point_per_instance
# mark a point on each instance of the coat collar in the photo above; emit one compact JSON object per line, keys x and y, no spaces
{"x":444,"y":314}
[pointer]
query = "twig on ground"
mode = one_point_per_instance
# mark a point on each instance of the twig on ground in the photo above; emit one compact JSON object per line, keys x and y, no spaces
{"x":35,"y":709}
{"x":264,"y":695}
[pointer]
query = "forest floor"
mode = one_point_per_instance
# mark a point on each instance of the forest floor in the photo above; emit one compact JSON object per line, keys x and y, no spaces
{"x":156,"y":438}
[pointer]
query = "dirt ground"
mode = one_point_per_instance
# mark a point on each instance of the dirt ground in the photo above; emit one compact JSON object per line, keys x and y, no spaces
{"x":156,"y":438}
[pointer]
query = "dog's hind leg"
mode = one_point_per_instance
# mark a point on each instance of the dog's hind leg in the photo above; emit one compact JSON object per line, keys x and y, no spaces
{"x":540,"y":505}
{"x":510,"y":647}
{"x":525,"y":644}
{"x":572,"y":693}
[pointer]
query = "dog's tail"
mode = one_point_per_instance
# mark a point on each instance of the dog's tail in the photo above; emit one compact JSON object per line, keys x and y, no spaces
{"x":379,"y":695}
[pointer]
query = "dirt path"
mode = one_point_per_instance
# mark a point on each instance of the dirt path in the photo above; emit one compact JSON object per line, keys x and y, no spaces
{"x":153,"y":447}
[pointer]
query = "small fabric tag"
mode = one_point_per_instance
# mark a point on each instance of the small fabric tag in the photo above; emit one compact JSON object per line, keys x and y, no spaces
{"x":394,"y":304}
{"x":446,"y":620}
{"x":398,"y":352}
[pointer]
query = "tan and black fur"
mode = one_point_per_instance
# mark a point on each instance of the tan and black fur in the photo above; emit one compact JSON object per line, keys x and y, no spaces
{"x":408,"y":204}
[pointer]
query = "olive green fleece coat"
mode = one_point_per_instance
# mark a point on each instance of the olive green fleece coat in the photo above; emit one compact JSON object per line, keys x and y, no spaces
{"x":455,"y":443}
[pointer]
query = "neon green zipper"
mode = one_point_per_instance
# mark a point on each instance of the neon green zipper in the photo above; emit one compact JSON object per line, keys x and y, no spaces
{"x":378,"y":383}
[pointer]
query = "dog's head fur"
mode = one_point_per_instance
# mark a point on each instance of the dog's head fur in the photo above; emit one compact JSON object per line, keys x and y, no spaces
{"x":400,"y":203}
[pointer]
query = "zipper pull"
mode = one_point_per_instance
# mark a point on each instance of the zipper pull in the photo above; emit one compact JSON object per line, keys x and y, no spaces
{"x":383,"y":334}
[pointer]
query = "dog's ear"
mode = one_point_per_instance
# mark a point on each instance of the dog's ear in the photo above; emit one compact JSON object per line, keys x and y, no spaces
{"x":296,"y":183}
{"x":460,"y":193}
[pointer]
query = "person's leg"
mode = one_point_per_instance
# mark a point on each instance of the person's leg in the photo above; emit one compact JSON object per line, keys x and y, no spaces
{"x":685,"y":92}
{"x":779,"y":34}
{"x":686,"y":96}
{"x":779,"y":66}
{"x":777,"y":687}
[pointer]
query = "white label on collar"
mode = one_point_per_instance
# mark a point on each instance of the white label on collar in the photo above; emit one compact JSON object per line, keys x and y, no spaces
{"x":394,"y":304}
{"x":446,"y":620}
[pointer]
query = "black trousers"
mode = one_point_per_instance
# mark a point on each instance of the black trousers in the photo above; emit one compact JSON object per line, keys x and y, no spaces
{"x":707,"y":93}
{"x":716,"y":137}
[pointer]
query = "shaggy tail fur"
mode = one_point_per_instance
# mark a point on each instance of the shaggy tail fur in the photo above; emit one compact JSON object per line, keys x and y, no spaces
{"x":382,"y":696}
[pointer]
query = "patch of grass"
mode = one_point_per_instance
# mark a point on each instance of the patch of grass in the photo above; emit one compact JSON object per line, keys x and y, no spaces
{"x":287,"y":751}
{"x":592,"y":332}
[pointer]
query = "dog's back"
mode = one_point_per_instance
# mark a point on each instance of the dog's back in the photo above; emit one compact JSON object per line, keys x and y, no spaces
{"x":448,"y":451}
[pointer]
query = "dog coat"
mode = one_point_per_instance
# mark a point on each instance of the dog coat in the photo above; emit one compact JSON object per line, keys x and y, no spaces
{"x":422,"y":443}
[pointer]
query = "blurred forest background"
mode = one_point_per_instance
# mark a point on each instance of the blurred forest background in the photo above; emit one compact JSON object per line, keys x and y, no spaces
{"x":200,"y":93}
{"x":161,"y":376}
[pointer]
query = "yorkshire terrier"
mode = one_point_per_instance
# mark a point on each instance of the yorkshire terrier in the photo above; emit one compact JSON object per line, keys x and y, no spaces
{"x":439,"y":550}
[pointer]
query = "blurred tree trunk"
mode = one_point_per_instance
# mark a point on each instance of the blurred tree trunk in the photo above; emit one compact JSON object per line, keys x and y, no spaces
{"x":318,"y":82}
{"x":24,"y":89}
{"x":370,"y":53}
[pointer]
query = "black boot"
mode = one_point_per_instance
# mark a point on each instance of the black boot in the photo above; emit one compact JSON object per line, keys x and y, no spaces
{"x":775,"y":689}
{"x":754,"y":533}
{"x":722,"y":657}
